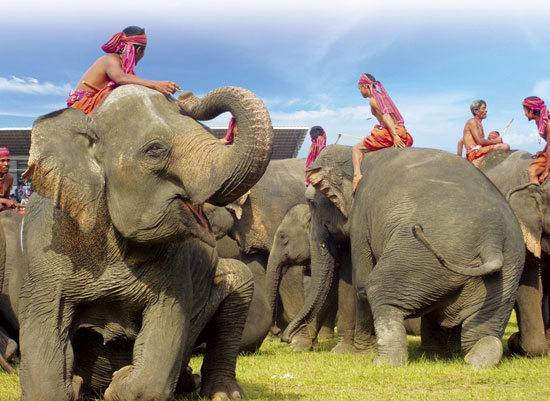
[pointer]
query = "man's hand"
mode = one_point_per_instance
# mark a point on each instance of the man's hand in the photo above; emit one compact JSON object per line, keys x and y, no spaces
{"x":543,"y":176}
{"x":539,"y":153}
{"x":7,"y":204}
{"x":397,"y":142}
{"x":167,"y":87}
{"x":356,"y":179}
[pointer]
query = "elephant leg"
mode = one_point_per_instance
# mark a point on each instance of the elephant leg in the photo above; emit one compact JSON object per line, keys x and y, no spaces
{"x":545,"y":277}
{"x":157,"y":353}
{"x":46,"y":352}
{"x":233,"y":293}
{"x":326,"y":332}
{"x":531,"y":339}
{"x":362,"y":265}
{"x":346,"y":308}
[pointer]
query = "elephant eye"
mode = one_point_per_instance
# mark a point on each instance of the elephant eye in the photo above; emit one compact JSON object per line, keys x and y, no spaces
{"x":155,"y":150}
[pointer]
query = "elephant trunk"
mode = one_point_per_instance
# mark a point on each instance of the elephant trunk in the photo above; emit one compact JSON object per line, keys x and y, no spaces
{"x":273,"y":279}
{"x":232,"y":169}
{"x":322,"y":277}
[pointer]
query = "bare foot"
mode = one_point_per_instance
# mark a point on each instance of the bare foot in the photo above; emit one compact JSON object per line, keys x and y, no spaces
{"x":356,"y":179}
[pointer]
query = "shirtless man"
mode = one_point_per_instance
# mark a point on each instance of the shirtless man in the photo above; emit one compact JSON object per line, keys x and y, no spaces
{"x":390,"y":132}
{"x":6,"y":181}
{"x":473,"y":136}
{"x":535,"y":109}
{"x":125,"y":49}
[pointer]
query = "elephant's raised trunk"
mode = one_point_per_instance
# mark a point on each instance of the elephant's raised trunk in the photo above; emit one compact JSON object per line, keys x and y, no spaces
{"x":235,"y":168}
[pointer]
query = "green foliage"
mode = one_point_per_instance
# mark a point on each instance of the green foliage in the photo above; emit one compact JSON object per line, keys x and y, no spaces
{"x":276,"y":373}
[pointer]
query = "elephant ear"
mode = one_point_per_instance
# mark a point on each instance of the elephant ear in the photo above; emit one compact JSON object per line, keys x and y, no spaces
{"x":526,"y":202}
{"x":237,"y":206}
{"x":334,"y":184}
{"x":63,"y":167}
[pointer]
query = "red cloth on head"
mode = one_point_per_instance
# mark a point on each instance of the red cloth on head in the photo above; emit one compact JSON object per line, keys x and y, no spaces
{"x":120,"y":41}
{"x":229,"y":134}
{"x":4,"y":153}
{"x":536,"y":103}
{"x":382,"y":98}
{"x":317,"y":144}
{"x":381,"y":137}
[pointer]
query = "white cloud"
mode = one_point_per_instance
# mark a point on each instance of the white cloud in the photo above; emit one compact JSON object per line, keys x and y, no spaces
{"x":32,"y":86}
{"x":542,"y":89}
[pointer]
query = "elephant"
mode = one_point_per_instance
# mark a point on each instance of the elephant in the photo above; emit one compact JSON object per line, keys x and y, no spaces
{"x":252,"y":221}
{"x":123,"y":275}
{"x":11,"y":275}
{"x":530,"y":203}
{"x":291,"y":247}
{"x":430,"y":236}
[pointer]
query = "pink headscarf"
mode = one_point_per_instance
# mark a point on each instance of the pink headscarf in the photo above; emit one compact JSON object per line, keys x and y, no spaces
{"x":317,"y":144}
{"x":4,"y":153}
{"x":229,"y":137}
{"x":382,"y":98}
{"x":118,"y":42}
{"x":536,"y":103}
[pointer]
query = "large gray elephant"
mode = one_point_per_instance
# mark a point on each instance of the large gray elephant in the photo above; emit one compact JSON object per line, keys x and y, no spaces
{"x":123,"y":277}
{"x":291,"y":247}
{"x":252,"y":221}
{"x":530,"y":203}
{"x":430,"y":236}
{"x":11,"y":275}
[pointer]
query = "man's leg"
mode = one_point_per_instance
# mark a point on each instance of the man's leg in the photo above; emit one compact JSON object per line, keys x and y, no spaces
{"x":357,"y":159}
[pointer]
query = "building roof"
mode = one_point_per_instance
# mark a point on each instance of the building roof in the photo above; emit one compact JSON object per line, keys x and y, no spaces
{"x":287,"y":141}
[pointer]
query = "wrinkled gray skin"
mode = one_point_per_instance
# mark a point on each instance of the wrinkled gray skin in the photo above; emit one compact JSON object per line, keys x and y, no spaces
{"x":252,"y":223}
{"x":124,"y":278}
{"x":11,"y":276}
{"x":411,"y":205}
{"x":291,"y":247}
{"x":530,"y":203}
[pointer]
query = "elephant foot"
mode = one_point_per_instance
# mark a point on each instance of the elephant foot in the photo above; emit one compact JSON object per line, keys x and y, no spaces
{"x":397,"y":358}
{"x":516,"y":345}
{"x":275,"y":331}
{"x":188,"y":382}
{"x":126,"y":387}
{"x":486,"y":353}
{"x":326,"y":333}
{"x":343,"y":348}
{"x":77,"y":387}
{"x":299,"y":344}
{"x":221,"y":389}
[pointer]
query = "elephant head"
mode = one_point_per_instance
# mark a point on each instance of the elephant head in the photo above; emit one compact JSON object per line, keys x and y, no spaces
{"x":290,"y":247}
{"x":330,"y":201}
{"x":530,"y":202}
{"x":145,"y":159}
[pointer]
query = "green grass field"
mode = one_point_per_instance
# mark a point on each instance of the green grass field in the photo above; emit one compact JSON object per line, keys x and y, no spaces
{"x":276,"y":373}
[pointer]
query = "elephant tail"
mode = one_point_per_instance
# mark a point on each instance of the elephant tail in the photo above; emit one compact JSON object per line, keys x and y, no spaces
{"x":493,"y":265}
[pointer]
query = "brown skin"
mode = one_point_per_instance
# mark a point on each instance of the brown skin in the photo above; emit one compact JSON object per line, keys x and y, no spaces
{"x":6,"y":203}
{"x":474,"y":135}
{"x":386,"y":120}
{"x":538,"y":174}
{"x":109,"y":68}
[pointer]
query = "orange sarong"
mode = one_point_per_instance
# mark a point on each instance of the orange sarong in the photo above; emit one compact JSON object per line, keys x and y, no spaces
{"x":89,"y":101}
{"x":380,"y":137}
{"x":477,"y":151}
{"x":540,"y":163}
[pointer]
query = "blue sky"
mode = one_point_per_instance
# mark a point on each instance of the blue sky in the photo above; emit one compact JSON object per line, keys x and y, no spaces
{"x":303,"y":58}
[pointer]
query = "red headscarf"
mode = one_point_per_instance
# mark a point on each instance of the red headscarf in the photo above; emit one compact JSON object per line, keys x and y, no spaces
{"x":382,"y":98}
{"x":536,"y":103}
{"x":317,"y":144}
{"x":229,"y":134}
{"x":4,"y":153}
{"x":118,"y":42}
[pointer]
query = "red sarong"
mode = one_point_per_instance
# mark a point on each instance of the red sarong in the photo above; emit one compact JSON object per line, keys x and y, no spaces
{"x":475,"y":152}
{"x":540,"y":162}
{"x":380,"y":137}
{"x":90,"y":101}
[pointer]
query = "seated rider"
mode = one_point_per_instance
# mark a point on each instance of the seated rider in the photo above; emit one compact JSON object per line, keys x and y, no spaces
{"x":318,"y":143}
{"x":6,"y":181}
{"x":125,"y":49}
{"x":473,"y":136}
{"x":535,"y":109}
{"x":390,"y":132}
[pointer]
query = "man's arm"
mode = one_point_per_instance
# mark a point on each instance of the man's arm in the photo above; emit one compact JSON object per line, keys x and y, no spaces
{"x":477,"y":135}
{"x":115,"y":72}
{"x":387,"y":121}
{"x":459,"y":147}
